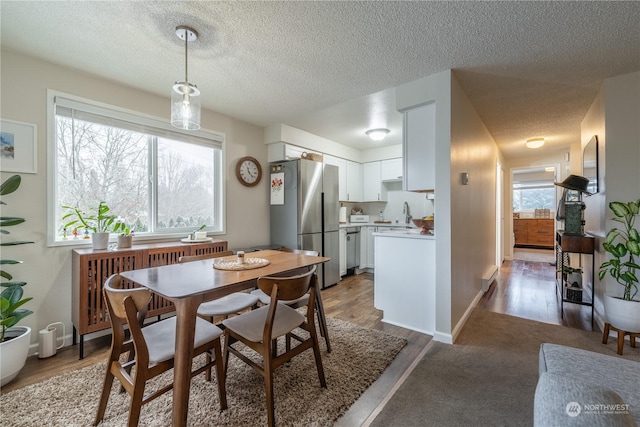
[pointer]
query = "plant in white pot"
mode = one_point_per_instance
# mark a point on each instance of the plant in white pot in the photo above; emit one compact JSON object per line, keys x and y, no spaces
{"x":99,"y":221}
{"x":125,"y":234}
{"x":623,"y":247}
{"x":14,"y":340}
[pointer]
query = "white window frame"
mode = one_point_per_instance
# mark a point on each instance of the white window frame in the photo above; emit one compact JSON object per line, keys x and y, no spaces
{"x":217,"y":139}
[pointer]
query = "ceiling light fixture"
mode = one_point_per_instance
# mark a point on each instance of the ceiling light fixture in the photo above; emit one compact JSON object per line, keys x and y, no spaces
{"x":185,"y":100}
{"x":377,"y":134}
{"x":535,"y":143}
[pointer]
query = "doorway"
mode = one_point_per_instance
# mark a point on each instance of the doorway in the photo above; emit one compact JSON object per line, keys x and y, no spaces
{"x":534,"y":200}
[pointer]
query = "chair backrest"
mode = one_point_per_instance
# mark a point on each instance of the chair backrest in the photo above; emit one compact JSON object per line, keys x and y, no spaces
{"x":287,"y":288}
{"x":116,"y":295}
{"x":301,"y":251}
{"x":188,"y":258}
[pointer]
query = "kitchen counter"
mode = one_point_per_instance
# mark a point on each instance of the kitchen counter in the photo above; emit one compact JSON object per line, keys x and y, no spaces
{"x":412,"y":233}
{"x":373,"y":224}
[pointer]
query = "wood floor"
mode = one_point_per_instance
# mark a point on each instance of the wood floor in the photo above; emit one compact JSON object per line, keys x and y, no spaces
{"x":523,"y":289}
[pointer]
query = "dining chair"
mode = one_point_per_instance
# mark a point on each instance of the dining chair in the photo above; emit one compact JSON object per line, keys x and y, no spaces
{"x":304,"y":300}
{"x":259,"y":329}
{"x":151,"y":348}
{"x":229,"y":304}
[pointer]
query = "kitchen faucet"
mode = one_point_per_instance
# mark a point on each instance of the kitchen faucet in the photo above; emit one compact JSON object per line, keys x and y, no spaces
{"x":405,"y":211}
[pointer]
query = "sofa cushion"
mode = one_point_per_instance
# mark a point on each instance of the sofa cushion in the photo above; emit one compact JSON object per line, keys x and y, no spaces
{"x":592,"y":372}
{"x":563,"y":401}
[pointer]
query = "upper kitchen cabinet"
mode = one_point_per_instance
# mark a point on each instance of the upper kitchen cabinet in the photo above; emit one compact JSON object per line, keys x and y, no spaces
{"x":371,"y":182}
{"x":418,"y":148}
{"x":280,"y":151}
{"x":391,"y":170}
{"x":342,"y":174}
{"x":354,"y":182}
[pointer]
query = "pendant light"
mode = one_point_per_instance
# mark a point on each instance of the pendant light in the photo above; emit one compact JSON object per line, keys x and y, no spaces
{"x":185,"y":97}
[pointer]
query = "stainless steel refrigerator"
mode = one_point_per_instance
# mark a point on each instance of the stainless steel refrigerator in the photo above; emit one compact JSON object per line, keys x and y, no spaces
{"x":304,"y":211}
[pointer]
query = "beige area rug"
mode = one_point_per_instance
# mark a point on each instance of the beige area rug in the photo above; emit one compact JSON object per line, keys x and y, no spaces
{"x":357,"y":359}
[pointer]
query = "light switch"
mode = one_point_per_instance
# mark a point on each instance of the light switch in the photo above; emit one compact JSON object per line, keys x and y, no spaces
{"x":464,"y":177}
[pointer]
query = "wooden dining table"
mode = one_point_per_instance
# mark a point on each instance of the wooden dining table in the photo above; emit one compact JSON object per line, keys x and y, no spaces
{"x":189,"y":284}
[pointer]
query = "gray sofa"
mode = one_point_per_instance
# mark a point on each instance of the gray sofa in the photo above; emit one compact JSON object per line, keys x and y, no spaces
{"x":583,"y":388}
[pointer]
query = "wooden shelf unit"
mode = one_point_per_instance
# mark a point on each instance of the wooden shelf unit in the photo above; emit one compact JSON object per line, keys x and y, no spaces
{"x":582,"y":245}
{"x":91,"y":268}
{"x":533,"y":232}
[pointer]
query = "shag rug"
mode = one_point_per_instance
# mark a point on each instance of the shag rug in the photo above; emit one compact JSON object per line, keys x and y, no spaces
{"x":357,"y":359}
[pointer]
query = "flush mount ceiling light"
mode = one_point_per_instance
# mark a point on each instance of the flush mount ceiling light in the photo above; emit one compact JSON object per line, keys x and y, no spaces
{"x":377,"y":134}
{"x":185,"y":100}
{"x":535,"y":143}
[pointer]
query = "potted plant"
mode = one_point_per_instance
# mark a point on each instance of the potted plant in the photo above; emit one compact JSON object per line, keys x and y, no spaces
{"x":97,"y":220}
{"x":14,"y":340}
{"x":125,"y":236}
{"x":623,"y":247}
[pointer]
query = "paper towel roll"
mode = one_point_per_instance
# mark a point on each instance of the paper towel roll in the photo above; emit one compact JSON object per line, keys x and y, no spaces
{"x":343,"y":215}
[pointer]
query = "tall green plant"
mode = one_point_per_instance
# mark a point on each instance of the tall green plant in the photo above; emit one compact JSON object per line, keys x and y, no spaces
{"x":624,"y":246}
{"x":11,"y":297}
{"x":97,"y":220}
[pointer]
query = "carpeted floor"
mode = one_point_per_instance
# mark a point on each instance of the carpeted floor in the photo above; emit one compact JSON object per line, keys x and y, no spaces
{"x":358,"y":358}
{"x":488,"y":378}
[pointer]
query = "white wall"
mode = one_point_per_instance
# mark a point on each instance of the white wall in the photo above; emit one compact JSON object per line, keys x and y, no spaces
{"x":47,"y":271}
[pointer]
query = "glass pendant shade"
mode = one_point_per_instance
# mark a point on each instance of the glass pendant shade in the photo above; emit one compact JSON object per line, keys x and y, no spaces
{"x":185,"y":106}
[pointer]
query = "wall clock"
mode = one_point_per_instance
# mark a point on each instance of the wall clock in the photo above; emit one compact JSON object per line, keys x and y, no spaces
{"x":248,"y":171}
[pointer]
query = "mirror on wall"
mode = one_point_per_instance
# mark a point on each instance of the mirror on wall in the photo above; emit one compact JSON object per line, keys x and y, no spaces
{"x":590,"y":164}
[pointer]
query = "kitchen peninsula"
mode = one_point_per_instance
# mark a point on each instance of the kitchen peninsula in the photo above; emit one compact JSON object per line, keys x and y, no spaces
{"x":405,"y":286}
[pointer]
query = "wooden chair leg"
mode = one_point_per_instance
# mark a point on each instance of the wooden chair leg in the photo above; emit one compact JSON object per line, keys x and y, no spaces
{"x":136,"y":402}
{"x":220,"y":366}
{"x":208,"y":362}
{"x":268,"y":383}
{"x":322,"y":320}
{"x":318,"y":358}
{"x":104,"y":397}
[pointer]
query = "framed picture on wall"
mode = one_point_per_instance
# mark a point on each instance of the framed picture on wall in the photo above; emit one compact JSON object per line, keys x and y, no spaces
{"x":18,"y":147}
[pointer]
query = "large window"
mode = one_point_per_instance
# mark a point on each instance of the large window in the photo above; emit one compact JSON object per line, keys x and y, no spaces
{"x":529,"y":198}
{"x":158,"y":180}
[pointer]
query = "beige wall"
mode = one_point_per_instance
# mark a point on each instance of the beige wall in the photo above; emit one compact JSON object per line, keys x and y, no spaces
{"x":24,"y":84}
{"x":473,"y":206}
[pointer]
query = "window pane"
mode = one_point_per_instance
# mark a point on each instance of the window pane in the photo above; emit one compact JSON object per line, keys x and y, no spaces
{"x":185,"y":184}
{"x":102,"y":163}
{"x":531,"y":199}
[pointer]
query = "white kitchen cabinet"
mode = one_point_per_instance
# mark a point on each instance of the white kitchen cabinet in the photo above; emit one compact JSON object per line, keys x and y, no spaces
{"x":419,"y":148}
{"x":405,"y":280}
{"x":371,"y":182}
{"x":354,"y":181}
{"x":342,"y":238}
{"x":391,"y":169}
{"x":342,"y":174}
{"x":280,"y":151}
{"x":367,"y":247}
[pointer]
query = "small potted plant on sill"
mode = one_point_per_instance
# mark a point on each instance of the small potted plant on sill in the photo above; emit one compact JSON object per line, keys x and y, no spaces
{"x":623,"y":248}
{"x":125,"y":235}
{"x":14,"y":340}
{"x":97,"y":220}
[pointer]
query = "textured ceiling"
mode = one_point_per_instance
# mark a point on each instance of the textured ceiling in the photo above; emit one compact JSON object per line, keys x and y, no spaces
{"x":530,"y":68}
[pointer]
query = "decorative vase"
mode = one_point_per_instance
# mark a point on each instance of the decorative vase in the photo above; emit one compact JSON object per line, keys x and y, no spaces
{"x":622,"y":314}
{"x":125,"y":241}
{"x":100,"y":240}
{"x":13,"y":353}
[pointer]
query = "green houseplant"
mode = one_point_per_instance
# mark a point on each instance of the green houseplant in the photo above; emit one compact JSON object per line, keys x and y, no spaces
{"x":99,"y":220}
{"x":14,"y":340}
{"x":623,"y":247}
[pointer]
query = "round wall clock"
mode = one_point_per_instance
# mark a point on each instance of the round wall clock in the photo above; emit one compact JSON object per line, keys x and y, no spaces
{"x":248,"y":171}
